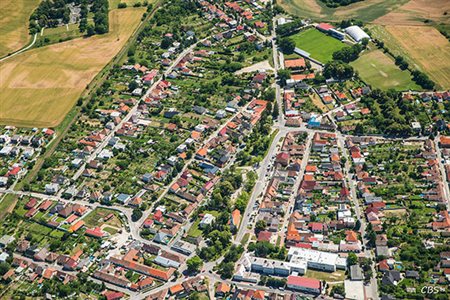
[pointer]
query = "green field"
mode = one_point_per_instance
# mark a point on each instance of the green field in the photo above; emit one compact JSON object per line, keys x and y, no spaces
{"x":318,"y":44}
{"x":367,"y":10}
{"x":14,"y":15}
{"x":380,"y":71}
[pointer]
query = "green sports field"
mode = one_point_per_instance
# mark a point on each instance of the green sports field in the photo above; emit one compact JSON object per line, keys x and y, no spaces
{"x":318,"y":44}
{"x":380,"y":71}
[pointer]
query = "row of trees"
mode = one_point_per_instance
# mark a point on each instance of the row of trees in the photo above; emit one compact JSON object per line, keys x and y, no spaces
{"x":419,"y":77}
{"x":338,"y":70}
{"x":288,"y":28}
{"x":350,"y":53}
{"x":337,"y":3}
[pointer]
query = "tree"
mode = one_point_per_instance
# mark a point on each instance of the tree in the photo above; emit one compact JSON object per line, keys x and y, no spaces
{"x":284,"y":75}
{"x":136,"y":215}
{"x":4,"y":267}
{"x":337,"y":289}
{"x":132,"y":86}
{"x":352,"y":259}
{"x":357,"y":225}
{"x":276,"y":111}
{"x":83,"y":25}
{"x":194,"y":264}
{"x":166,"y":42}
{"x":287,"y":45}
{"x":260,"y":226}
{"x":226,"y":270}
{"x":90,"y":30}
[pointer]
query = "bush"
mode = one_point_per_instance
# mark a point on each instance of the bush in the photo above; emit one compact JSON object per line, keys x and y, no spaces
{"x":122,"y":5}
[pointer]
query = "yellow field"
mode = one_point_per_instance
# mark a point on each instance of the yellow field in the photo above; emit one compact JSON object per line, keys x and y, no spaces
{"x":423,"y":46}
{"x":14,"y":16}
{"x":367,"y":10}
{"x":39,"y":87}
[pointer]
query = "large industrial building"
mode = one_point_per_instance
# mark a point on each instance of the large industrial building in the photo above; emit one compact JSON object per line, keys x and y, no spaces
{"x":356,"y":33}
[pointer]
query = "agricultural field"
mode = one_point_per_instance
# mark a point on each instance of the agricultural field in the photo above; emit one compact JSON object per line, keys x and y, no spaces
{"x":40,"y":86}
{"x":380,"y":71}
{"x":367,"y":10}
{"x":14,"y":15}
{"x":318,"y":44}
{"x":423,"y":47}
{"x":415,"y":12}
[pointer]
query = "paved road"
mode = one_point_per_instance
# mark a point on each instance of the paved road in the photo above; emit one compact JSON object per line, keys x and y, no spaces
{"x":291,"y":201}
{"x":440,"y":158}
{"x":371,"y":290}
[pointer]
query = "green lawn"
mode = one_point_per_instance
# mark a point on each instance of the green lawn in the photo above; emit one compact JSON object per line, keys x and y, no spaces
{"x":380,"y":71}
{"x":318,"y":44}
{"x":327,"y":276}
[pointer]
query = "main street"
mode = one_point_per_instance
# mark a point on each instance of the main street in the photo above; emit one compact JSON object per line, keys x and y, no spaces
{"x":371,"y":289}
{"x":445,"y":182}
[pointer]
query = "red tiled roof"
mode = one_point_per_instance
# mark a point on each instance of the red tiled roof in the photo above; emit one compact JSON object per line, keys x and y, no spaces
{"x":310,"y":283}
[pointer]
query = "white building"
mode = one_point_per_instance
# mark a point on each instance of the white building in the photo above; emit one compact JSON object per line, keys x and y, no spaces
{"x":207,"y":220}
{"x":356,"y":33}
{"x":270,"y":266}
{"x":51,"y":188}
{"x":318,"y":260}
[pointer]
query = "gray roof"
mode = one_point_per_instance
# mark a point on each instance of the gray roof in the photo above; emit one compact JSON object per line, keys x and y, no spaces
{"x":356,"y":273}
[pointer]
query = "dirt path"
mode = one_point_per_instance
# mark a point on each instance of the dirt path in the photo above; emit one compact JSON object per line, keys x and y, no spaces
{"x":21,"y":50}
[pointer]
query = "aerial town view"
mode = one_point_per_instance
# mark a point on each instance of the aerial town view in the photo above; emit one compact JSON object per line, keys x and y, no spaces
{"x":225,"y":149}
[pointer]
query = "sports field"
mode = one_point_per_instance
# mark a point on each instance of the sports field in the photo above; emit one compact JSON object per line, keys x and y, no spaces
{"x":422,"y":46}
{"x":380,"y":71}
{"x":40,"y":86}
{"x":14,"y":16}
{"x":367,"y":10}
{"x":318,"y":44}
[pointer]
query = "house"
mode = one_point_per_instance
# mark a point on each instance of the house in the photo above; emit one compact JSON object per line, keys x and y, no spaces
{"x":206,"y":220}
{"x":222,"y":289}
{"x":304,"y":284}
{"x":51,"y":188}
{"x":412,"y":274}
{"x":391,"y":278}
{"x":6,"y":240}
{"x":149,"y":78}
